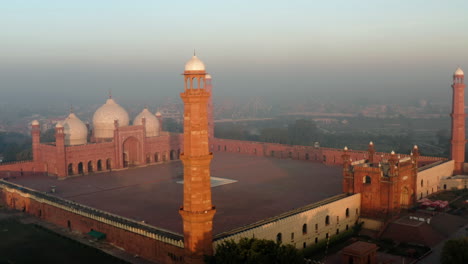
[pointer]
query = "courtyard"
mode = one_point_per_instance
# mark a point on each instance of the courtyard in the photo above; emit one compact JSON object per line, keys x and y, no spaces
{"x":248,"y":189}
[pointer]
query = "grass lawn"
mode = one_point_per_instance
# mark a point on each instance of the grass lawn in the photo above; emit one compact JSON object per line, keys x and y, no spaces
{"x":27,"y":243}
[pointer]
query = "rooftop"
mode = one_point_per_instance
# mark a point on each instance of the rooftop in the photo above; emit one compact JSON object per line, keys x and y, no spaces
{"x":360,"y":247}
{"x":262,"y":187}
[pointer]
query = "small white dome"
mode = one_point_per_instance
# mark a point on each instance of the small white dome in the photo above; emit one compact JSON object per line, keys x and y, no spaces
{"x":158,"y":114}
{"x":59,"y":125}
{"x":104,"y":117}
{"x":459,"y":71}
{"x":151,"y":122}
{"x":207,"y":76}
{"x":76,"y":132}
{"x":194,"y":64}
{"x":35,"y":123}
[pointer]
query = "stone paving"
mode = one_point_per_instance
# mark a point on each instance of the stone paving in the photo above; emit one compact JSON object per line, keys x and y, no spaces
{"x":265,"y":187}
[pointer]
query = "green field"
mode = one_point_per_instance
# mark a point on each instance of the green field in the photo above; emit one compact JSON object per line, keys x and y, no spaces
{"x":29,"y":243}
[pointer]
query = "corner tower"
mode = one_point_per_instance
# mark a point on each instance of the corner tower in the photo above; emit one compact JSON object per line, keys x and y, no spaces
{"x":197,"y":211}
{"x":457,"y":150}
{"x":36,"y":139}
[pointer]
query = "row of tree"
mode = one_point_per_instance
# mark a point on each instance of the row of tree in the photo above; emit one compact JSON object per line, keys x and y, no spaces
{"x":15,"y":146}
{"x":261,"y":251}
{"x":305,"y":132}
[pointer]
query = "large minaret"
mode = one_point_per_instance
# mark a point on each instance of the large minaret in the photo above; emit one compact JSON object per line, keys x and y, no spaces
{"x":457,"y":152}
{"x":197,"y":211}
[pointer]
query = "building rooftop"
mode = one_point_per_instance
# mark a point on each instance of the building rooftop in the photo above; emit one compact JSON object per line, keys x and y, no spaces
{"x":261,"y":187}
{"x":359,"y":248}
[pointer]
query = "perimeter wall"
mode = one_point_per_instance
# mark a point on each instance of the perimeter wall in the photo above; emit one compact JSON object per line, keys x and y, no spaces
{"x":329,"y":156}
{"x":134,"y":237}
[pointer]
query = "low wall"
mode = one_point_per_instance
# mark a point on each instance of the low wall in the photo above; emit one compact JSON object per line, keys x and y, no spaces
{"x":137,"y":238}
{"x":454,"y":183}
{"x":303,"y":226}
{"x":372,"y":224}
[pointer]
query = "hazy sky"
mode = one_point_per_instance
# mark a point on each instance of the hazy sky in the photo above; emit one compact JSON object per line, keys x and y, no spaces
{"x":73,"y":51}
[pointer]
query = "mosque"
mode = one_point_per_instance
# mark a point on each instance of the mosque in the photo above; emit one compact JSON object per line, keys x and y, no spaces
{"x":152,"y":192}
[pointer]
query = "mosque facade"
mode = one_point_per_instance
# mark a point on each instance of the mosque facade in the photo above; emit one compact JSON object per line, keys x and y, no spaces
{"x":376,"y":186}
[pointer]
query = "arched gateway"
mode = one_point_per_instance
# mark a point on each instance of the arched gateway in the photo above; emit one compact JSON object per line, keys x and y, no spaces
{"x":131,"y":152}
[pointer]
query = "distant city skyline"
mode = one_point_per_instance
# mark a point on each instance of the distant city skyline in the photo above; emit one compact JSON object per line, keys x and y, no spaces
{"x":77,"y":51}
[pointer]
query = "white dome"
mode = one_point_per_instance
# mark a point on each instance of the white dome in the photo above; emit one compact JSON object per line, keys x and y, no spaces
{"x":103,"y":119}
{"x":76,"y":132}
{"x":35,"y":123}
{"x":59,"y":124}
{"x":207,"y":76}
{"x":194,"y":64}
{"x":158,"y":114}
{"x":152,"y":123}
{"x":459,"y":71}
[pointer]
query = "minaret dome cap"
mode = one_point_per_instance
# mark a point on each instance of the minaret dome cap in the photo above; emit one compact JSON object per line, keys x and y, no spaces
{"x":194,"y":64}
{"x":459,"y":71}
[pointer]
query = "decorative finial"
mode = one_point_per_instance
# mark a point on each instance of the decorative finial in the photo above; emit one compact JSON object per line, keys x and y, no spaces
{"x":110,"y":94}
{"x":194,"y":54}
{"x":371,"y":143}
{"x":71,"y":109}
{"x":415,"y":147}
{"x":345,"y":148}
{"x":393,"y":152}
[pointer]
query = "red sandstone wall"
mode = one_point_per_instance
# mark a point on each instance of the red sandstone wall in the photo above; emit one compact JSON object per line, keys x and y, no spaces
{"x":159,"y":148}
{"x":329,"y":156}
{"x":21,"y":168}
{"x":89,"y":153}
{"x":145,"y":247}
{"x":48,"y":154}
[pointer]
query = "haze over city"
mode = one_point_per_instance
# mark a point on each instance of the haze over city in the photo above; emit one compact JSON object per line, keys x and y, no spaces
{"x":207,"y":132}
{"x":63,"y":53}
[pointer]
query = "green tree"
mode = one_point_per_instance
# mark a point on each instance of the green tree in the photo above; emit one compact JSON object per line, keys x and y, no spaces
{"x":255,"y":251}
{"x":274,"y":135}
{"x":302,"y":132}
{"x":455,"y":251}
{"x":48,"y":136}
{"x":171,"y":125}
{"x":24,"y":155}
{"x":10,"y":152}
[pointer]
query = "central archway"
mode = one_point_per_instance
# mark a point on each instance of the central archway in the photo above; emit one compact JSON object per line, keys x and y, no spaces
{"x":131,"y":152}
{"x":405,"y":198}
